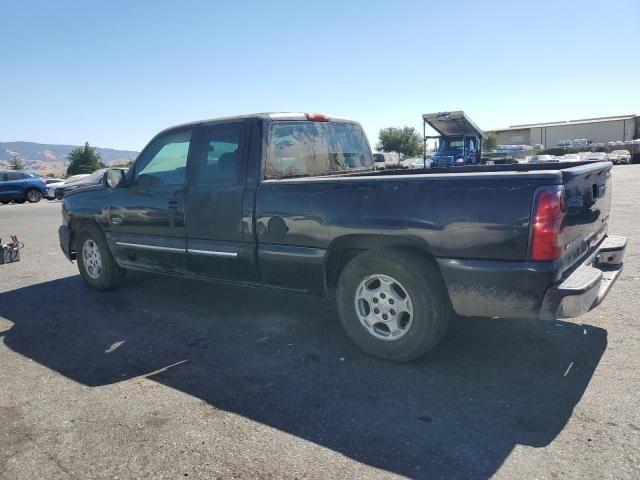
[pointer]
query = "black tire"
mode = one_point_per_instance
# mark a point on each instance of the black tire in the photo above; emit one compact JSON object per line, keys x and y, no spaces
{"x":20,"y":200}
{"x":110,"y":274}
{"x":34,"y":195}
{"x":423,"y":284}
{"x":4,"y":202}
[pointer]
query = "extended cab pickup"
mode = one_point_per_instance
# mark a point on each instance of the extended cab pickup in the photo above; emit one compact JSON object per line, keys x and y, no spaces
{"x":292,"y":201}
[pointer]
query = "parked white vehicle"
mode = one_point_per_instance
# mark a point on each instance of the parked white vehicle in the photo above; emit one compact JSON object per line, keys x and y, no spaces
{"x":571,"y":157}
{"x":50,"y":194}
{"x":620,"y":156}
{"x":416,"y":162}
{"x":386,"y":160}
{"x":52,"y":187}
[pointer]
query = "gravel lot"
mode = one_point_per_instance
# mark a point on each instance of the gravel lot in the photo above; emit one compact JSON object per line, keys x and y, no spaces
{"x":170,"y":378}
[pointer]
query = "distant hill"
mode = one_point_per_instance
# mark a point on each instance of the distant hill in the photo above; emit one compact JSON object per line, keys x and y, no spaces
{"x":46,"y":158}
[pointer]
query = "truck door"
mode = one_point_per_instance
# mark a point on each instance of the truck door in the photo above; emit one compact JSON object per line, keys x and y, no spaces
{"x":215,"y":243}
{"x":471,"y":152}
{"x":14,"y":186}
{"x":146,"y":214}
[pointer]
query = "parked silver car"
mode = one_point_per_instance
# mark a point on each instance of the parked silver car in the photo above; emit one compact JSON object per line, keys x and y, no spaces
{"x":620,"y":156}
{"x":596,"y":157}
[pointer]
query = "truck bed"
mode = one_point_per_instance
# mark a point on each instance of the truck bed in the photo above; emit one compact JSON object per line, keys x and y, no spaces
{"x":512,"y":167}
{"x":476,"y":221}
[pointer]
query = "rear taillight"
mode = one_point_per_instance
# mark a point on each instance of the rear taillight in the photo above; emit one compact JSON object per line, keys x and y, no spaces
{"x":548,"y":223}
{"x":316,"y":117}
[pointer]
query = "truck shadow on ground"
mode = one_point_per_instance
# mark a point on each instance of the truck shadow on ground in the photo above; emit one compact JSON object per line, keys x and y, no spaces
{"x":283,"y":360}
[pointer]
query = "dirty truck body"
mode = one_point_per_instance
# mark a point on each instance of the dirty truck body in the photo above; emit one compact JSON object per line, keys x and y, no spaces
{"x":292,"y":201}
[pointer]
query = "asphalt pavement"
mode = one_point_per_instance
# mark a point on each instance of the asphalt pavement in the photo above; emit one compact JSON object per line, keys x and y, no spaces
{"x":172,"y":378}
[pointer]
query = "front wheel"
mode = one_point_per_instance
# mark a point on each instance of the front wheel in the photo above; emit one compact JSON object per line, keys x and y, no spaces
{"x":34,"y":195}
{"x":97,"y":266}
{"x":393,"y":304}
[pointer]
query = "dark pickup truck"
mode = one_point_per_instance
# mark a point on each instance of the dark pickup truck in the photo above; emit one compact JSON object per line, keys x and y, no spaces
{"x":292,"y":201}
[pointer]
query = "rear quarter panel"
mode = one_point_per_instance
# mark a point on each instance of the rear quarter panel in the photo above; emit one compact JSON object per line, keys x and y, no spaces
{"x":453,"y":216}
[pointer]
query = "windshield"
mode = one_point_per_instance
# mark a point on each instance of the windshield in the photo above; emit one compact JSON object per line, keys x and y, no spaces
{"x":75,"y":178}
{"x":94,"y":177}
{"x":378,"y":157}
{"x":455,"y":143}
{"x":316,"y":148}
{"x":621,"y":152}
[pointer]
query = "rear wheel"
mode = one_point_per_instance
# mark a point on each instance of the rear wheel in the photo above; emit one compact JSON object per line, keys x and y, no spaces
{"x":34,"y":195}
{"x":4,"y":201}
{"x":97,"y":266}
{"x":393,"y":304}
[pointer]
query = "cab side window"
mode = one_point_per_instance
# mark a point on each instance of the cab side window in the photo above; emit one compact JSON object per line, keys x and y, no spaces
{"x":220,"y":162}
{"x":15,"y":176}
{"x":164,"y":162}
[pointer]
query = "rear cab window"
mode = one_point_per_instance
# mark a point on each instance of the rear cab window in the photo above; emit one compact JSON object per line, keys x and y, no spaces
{"x":306,"y":148}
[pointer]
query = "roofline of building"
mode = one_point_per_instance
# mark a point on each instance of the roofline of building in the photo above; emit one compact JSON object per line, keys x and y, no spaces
{"x":565,"y":122}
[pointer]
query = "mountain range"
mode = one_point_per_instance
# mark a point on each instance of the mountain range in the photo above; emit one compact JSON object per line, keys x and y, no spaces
{"x":52,"y":159}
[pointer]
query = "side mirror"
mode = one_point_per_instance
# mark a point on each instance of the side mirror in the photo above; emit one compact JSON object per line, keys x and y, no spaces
{"x":113,"y":178}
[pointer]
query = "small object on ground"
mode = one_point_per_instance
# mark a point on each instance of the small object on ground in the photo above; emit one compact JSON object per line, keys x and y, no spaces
{"x":11,"y":251}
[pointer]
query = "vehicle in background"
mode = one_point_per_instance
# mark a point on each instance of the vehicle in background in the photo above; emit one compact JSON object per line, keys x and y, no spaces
{"x":571,"y":157}
{"x":19,"y":186}
{"x":596,"y":157}
{"x":620,"y":156}
{"x":416,"y":162}
{"x":459,"y":141}
{"x":500,"y":158}
{"x":90,"y":180}
{"x":543,"y":159}
{"x":49,"y":180}
{"x":75,"y":178}
{"x":51,"y":188}
{"x":386,"y":160}
{"x":52,"y":184}
{"x":291,"y":201}
{"x":506,"y":154}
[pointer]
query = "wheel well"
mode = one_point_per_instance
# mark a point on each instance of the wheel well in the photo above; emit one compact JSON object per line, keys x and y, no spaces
{"x":78,"y":225}
{"x":344,"y":249}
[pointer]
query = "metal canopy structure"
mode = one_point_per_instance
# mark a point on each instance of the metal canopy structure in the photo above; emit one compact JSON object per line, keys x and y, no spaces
{"x":453,"y":124}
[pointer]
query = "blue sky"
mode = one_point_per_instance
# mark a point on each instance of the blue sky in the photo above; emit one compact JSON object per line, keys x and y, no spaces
{"x":114,"y":73}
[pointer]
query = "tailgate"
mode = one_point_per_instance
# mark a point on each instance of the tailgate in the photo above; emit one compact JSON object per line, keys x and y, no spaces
{"x":588,"y":195}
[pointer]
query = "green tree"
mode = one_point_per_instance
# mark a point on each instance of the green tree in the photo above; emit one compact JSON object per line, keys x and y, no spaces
{"x":16,"y":161}
{"x":406,"y":141}
{"x":84,"y":160}
{"x":490,"y":143}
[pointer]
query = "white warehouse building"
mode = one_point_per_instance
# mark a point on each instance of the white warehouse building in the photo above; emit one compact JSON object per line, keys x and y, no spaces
{"x":622,"y":128}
